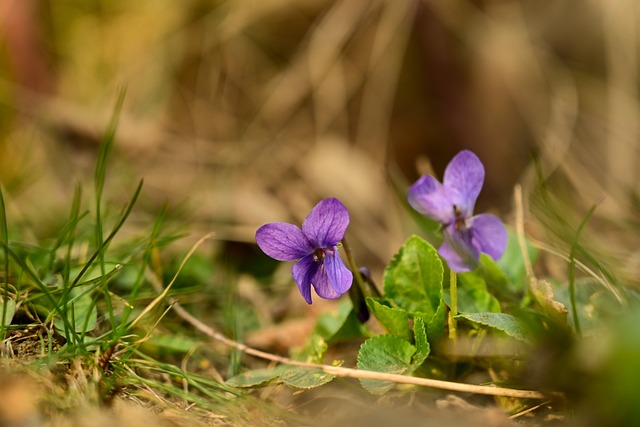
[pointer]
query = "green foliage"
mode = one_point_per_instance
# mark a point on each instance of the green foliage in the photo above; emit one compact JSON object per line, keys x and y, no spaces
{"x":7,"y":311}
{"x":292,"y":376}
{"x":413,"y":279}
{"x":422,"y":344}
{"x":80,"y":310}
{"x":413,"y":291}
{"x":511,"y":265}
{"x":392,"y":355}
{"x":413,"y":285}
{"x":339,"y":326}
{"x":395,"y":320}
{"x":385,"y":353}
{"x":61,"y":290}
{"x":473,"y":293}
{"x":503,"y":322}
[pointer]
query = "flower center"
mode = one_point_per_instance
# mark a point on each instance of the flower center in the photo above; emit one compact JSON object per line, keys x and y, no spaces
{"x":460,"y":223}
{"x":318,"y":255}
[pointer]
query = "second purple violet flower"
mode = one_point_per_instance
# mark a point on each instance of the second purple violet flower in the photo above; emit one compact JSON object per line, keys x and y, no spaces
{"x":451,"y":203}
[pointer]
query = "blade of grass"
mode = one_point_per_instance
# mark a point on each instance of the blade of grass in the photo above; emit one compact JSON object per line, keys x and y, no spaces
{"x":106,"y":147}
{"x":572,"y":269}
{"x":4,"y":230}
{"x":100,"y":250}
{"x":67,"y":234}
{"x":146,"y":260}
{"x":61,"y":310}
{"x":556,"y":222}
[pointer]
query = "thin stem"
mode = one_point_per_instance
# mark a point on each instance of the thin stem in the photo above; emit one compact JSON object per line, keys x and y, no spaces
{"x":572,"y":273}
{"x":453,"y":308}
{"x":354,"y":267}
{"x":356,"y":293}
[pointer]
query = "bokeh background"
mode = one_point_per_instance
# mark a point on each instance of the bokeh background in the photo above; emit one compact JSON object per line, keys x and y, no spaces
{"x":242,"y":112}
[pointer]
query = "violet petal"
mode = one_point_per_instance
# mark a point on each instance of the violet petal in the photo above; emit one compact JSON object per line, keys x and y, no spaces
{"x":323,"y":286}
{"x":283,"y":241}
{"x":326,"y":223}
{"x":429,"y":197}
{"x":458,"y":250}
{"x":303,"y":272}
{"x":489,"y":235}
{"x":340,"y":278}
{"x":463,"y":179}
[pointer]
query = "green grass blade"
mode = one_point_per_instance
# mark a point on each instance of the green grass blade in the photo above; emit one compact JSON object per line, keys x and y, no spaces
{"x":100,"y":250}
{"x":4,"y":235}
{"x":572,"y":270}
{"x":57,"y":308}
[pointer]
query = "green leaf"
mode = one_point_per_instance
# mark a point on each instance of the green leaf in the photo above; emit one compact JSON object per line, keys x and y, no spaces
{"x":301,"y":377}
{"x":388,"y":354}
{"x":7,"y":316}
{"x":80,"y":311}
{"x":313,"y":350}
{"x":422,"y":345}
{"x":473,"y":295}
{"x":506,"y":323}
{"x":293,"y":376}
{"x":413,"y":278}
{"x":305,"y":378}
{"x":595,"y":304}
{"x":512,"y":263}
{"x":339,"y":326}
{"x":394,"y":320}
{"x":255,"y":378}
{"x":435,"y":326}
{"x":495,"y":279}
{"x":172,"y":343}
{"x":544,"y":295}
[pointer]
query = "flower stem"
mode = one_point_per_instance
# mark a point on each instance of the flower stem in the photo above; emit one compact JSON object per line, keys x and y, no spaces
{"x":453,"y":308}
{"x":356,"y":293}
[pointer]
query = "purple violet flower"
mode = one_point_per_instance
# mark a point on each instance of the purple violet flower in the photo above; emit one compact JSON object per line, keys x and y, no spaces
{"x":451,"y":203}
{"x":315,"y":247}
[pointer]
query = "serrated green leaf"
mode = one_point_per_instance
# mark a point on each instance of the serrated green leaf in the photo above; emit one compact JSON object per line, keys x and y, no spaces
{"x":306,"y":378}
{"x":422,"y":345}
{"x":293,"y":376}
{"x":506,"y":323}
{"x":436,"y":326}
{"x":313,"y":350}
{"x":394,"y":320}
{"x":254,"y":378}
{"x":384,"y":353}
{"x":413,"y":278}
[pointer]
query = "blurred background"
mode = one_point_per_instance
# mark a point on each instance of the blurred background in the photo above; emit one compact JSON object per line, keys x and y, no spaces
{"x":243,"y":112}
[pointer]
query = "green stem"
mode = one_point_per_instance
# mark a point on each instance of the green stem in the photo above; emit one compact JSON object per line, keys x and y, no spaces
{"x":354,"y":267}
{"x":356,"y":293}
{"x":453,"y":308}
{"x":572,"y":268}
